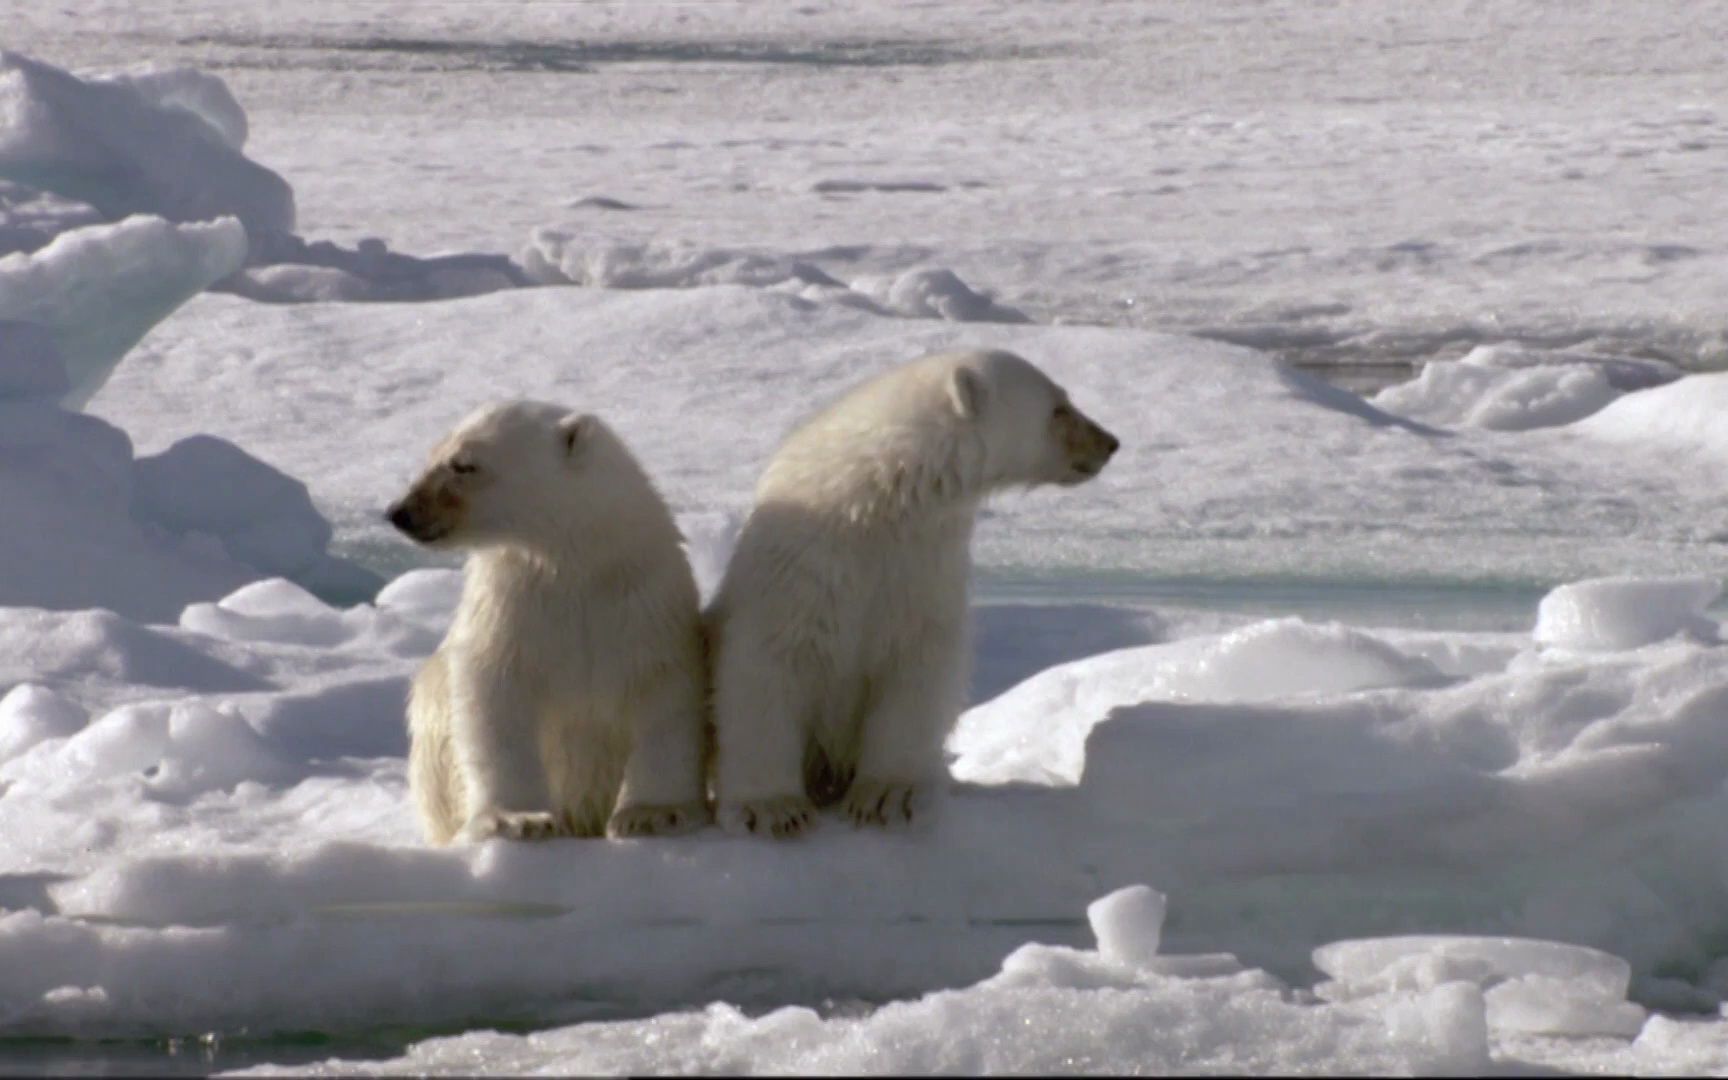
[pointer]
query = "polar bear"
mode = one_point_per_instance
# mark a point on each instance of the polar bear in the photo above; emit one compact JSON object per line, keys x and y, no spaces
{"x":839,"y":632}
{"x":568,"y":696}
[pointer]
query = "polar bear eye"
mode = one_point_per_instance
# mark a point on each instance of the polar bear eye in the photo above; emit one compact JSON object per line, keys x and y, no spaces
{"x":463,"y":467}
{"x":1063,"y":411}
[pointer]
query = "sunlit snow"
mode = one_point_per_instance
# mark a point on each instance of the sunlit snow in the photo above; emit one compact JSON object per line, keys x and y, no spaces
{"x":1325,"y":732}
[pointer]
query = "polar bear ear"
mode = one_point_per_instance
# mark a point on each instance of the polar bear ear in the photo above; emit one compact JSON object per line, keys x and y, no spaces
{"x":966,"y":391}
{"x":574,"y":430}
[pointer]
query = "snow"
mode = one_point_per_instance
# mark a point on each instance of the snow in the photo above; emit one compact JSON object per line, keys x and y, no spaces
{"x":1321,"y":734}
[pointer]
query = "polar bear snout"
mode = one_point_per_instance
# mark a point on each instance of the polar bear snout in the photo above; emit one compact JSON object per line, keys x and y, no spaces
{"x":1088,"y":447}
{"x":426,"y":515}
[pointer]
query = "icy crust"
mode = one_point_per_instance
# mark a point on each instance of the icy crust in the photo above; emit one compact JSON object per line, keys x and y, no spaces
{"x":91,"y":526}
{"x":87,"y":297}
{"x":1231,"y":464}
{"x":227,"y":797}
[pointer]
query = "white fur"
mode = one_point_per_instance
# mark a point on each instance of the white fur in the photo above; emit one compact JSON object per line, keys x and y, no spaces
{"x":567,"y":696}
{"x":840,"y":629}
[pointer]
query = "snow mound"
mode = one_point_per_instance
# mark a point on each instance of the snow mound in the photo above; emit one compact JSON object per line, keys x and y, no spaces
{"x":159,"y":145}
{"x":934,"y":294}
{"x":95,"y":291}
{"x":1515,"y":388}
{"x":282,"y":612}
{"x":554,"y":257}
{"x":30,"y":714}
{"x":1626,"y":612}
{"x":90,"y":526}
{"x":1036,"y":732}
{"x":1683,"y":417}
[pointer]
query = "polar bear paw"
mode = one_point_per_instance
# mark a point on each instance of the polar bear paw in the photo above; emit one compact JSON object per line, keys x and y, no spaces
{"x":510,"y":825}
{"x":630,"y":821}
{"x":780,"y":816}
{"x":883,"y":803}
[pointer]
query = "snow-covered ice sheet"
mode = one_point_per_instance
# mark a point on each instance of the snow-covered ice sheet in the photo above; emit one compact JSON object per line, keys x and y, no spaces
{"x":1346,"y":181}
{"x":1232,"y":465}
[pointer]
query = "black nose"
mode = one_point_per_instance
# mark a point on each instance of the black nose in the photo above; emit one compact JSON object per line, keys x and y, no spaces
{"x":399,"y":516}
{"x":1111,"y":443}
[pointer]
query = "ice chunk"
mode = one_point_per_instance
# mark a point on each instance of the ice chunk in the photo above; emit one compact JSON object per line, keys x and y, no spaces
{"x":98,"y":290}
{"x":264,"y":517}
{"x":1450,"y":1021}
{"x":30,"y":714}
{"x":1036,"y":731}
{"x":1424,"y":961}
{"x":1128,"y":924}
{"x":129,"y":739}
{"x":120,"y":146}
{"x":1606,"y":614}
{"x":210,"y":748}
{"x":198,"y":92}
{"x":1544,"y":1005}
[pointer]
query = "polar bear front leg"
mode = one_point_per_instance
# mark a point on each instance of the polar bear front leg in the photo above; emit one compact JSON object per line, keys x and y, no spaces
{"x":900,"y":753}
{"x":495,"y":739}
{"x":663,"y":790}
{"x":759,"y":745}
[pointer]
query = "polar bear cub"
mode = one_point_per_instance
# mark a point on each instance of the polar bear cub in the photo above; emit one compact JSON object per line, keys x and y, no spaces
{"x":567,"y":697}
{"x":839,"y":632}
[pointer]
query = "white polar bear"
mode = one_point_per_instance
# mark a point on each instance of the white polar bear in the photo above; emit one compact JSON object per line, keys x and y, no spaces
{"x":568,"y":695}
{"x":839,"y":633}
